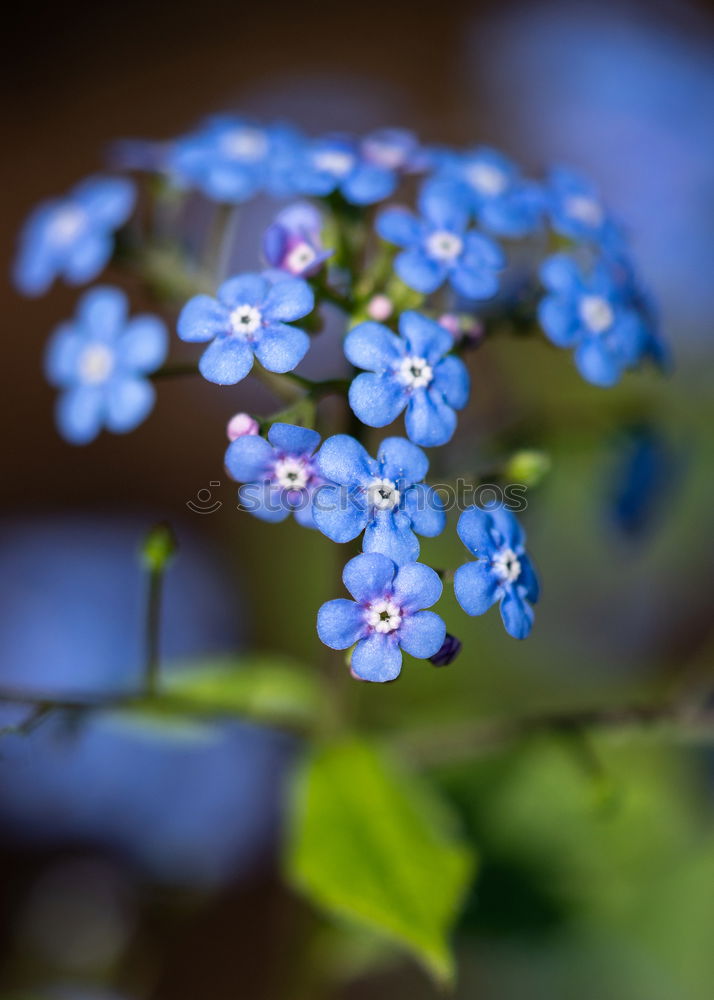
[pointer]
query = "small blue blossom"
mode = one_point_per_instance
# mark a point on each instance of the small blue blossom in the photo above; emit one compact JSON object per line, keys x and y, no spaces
{"x":100,"y":360}
{"x":414,"y":371}
{"x":341,"y":163}
{"x":502,"y":571}
{"x":249,"y":317}
{"x":386,"y":498}
{"x":386,"y":616}
{"x":575,"y":209}
{"x":394,"y":149}
{"x":72,"y":237}
{"x":293,"y":243}
{"x":593,"y":313}
{"x":437,"y":245}
{"x":280,"y":474}
{"x":500,"y":198}
{"x":230,"y":159}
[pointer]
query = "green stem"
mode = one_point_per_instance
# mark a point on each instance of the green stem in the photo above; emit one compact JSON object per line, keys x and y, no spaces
{"x":153,"y":626}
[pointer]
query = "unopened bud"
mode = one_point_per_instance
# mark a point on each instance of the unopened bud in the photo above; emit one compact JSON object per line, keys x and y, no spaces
{"x":241,"y":425}
{"x":380,"y":307}
{"x":450,"y":649}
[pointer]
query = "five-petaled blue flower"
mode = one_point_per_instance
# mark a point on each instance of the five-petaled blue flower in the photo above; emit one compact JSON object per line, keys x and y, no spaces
{"x":500,"y":198}
{"x":341,"y":163}
{"x":593,"y":313}
{"x":438,"y":246}
{"x":575,"y":209}
{"x":414,"y":371}
{"x":249,"y":317}
{"x":293,"y":244}
{"x":280,"y":474}
{"x":386,"y":498}
{"x":386,"y":616}
{"x":72,"y":237}
{"x":100,"y":360}
{"x":502,"y":571}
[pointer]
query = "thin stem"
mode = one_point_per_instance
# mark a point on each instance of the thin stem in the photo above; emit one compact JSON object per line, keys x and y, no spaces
{"x":153,"y":626}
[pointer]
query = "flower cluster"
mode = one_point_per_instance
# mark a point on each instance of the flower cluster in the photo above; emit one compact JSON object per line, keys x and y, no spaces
{"x":418,"y":287}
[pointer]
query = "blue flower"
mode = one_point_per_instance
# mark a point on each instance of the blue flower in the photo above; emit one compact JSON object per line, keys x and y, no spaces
{"x":386,"y":498}
{"x":386,"y":616}
{"x":413,"y":371}
{"x":394,"y":149}
{"x":72,"y":237}
{"x":438,"y":247}
{"x":249,"y":317}
{"x":575,"y":209}
{"x":280,"y":474}
{"x":230,"y":159}
{"x":594,"y":314}
{"x":502,"y":571}
{"x":293,"y":243}
{"x":99,"y":360}
{"x":500,"y":198}
{"x":341,"y":163}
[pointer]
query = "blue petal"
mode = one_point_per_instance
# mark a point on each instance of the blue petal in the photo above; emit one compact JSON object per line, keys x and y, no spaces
{"x":377,"y":400}
{"x":128,"y":403}
{"x":422,"y":635}
{"x":342,"y":459}
{"x":340,"y":623}
{"x":304,"y":512}
{"x":476,"y":587}
{"x":474,"y":530}
{"x":425,"y":337}
{"x":281,"y":347}
{"x":401,"y":461}
{"x":429,"y":420}
{"x":201,"y":319}
{"x":143,"y":345}
{"x":417,"y":586}
{"x":244,"y":290}
{"x":558,"y":318}
{"x":527,"y":582}
{"x":425,"y":508}
{"x":108,"y":200}
{"x":596,"y":363}
{"x":226,"y":361}
{"x":452,"y":380}
{"x":87,"y":258}
{"x":275,"y":239}
{"x":292,"y":439}
{"x":102,"y":311}
{"x":368,"y":184}
{"x":474,"y":281}
{"x":62,"y":354}
{"x":373,"y":347}
{"x":420,"y":272}
{"x":79,"y":413}
{"x":338,"y":512}
{"x":264,"y":501}
{"x":517,"y":615}
{"x":482,"y":252}
{"x":288,"y":300}
{"x":445,"y":204}
{"x":300,"y":217}
{"x":35,"y":268}
{"x":369,"y":576}
{"x":505,"y":524}
{"x":377,"y":658}
{"x":560,"y":273}
{"x":390,"y":532}
{"x":399,"y":226}
{"x":249,"y":458}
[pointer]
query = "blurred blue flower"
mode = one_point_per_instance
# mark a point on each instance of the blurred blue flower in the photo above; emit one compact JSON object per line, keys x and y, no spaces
{"x":386,"y":498}
{"x":501,"y":199}
{"x":293,"y":243}
{"x":643,"y":479}
{"x":341,"y":163}
{"x":72,"y":237}
{"x":394,"y":149}
{"x":502,"y":571}
{"x":386,"y":616}
{"x":413,"y":371}
{"x":280,"y":473}
{"x":593,"y":313}
{"x":249,"y":317}
{"x":437,"y":245}
{"x":575,"y":209}
{"x":100,"y":360}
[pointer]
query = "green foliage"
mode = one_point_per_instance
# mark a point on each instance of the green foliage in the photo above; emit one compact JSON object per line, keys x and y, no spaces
{"x":372,"y":845}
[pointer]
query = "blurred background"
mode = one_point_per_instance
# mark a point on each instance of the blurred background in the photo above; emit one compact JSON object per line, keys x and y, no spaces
{"x":137,"y":862}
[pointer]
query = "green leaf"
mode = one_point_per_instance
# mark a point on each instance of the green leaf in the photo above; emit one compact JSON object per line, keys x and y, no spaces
{"x":371,"y":844}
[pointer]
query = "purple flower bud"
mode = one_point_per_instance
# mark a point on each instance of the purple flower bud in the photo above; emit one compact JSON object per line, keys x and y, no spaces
{"x":450,"y":649}
{"x":241,"y":425}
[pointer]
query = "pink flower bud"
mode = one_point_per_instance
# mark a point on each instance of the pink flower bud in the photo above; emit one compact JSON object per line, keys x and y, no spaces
{"x":450,"y":322}
{"x":241,"y":425}
{"x":379,"y":308}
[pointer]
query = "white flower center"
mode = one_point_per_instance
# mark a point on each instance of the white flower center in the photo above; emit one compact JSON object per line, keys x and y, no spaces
{"x":292,"y":473}
{"x":245,"y":320}
{"x":443,"y":245}
{"x":584,"y":209}
{"x":596,"y":313}
{"x":247,"y":144}
{"x":66,"y":224}
{"x":96,"y":364}
{"x":383,"y":494}
{"x":334,"y":161}
{"x":300,"y":257}
{"x":414,"y":372}
{"x":486,"y":178}
{"x":383,"y":616}
{"x":507,"y":565}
